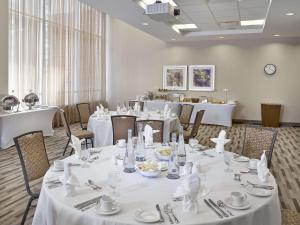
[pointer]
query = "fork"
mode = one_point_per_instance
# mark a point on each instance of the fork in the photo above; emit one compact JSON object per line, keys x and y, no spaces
{"x":167,"y":212}
{"x":222,"y":205}
{"x":170,"y":210}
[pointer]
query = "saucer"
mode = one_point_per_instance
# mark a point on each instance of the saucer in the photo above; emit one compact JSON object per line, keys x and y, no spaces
{"x":146,"y":216}
{"x":121,"y":146}
{"x":251,"y":168}
{"x":241,"y":159}
{"x":228,"y":202}
{"x":258,"y":192}
{"x":115,"y":210}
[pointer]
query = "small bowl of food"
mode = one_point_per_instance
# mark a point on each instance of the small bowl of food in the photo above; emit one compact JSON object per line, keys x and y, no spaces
{"x":163,"y":153}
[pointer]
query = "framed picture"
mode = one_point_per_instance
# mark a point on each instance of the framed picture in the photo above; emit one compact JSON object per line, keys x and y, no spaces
{"x":175,"y":77}
{"x":202,"y":78}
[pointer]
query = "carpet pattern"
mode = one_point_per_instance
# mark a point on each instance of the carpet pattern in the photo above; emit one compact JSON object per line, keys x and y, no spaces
{"x":285,"y":167}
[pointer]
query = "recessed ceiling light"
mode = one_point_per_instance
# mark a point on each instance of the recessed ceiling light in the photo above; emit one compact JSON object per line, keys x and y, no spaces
{"x":276,"y":35}
{"x":173,"y":39}
{"x":221,"y":37}
{"x":252,"y":22}
{"x":145,"y":24}
{"x":290,"y":14}
{"x":184,"y":26}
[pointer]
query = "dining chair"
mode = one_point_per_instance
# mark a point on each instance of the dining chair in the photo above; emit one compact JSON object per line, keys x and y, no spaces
{"x":290,"y":217}
{"x":132,"y":103}
{"x":256,"y":140}
{"x":34,"y":162}
{"x":84,"y":113}
{"x":121,"y":124}
{"x":193,"y":133}
{"x":156,"y":125}
{"x":81,"y":134}
{"x":185,"y":114}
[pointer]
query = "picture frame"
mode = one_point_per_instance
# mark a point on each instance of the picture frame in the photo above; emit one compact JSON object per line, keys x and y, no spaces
{"x":202,"y":77}
{"x":175,"y":77}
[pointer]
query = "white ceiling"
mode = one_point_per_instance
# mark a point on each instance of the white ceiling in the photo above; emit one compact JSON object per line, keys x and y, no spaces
{"x":213,"y":18}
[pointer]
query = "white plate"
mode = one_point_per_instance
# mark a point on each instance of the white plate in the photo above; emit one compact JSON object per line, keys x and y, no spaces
{"x":259,"y":192}
{"x":241,"y":159}
{"x":246,"y":205}
{"x":107,"y":213}
{"x":146,"y":216}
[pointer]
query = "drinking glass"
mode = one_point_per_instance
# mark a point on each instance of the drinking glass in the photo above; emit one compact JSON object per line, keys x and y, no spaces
{"x":85,"y":157}
{"x":114,"y":179}
{"x":228,"y":157}
{"x":204,"y":190}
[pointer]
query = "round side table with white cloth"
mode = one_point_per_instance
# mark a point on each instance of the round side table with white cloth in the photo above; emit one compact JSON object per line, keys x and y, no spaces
{"x":141,"y":192}
{"x":101,"y":126}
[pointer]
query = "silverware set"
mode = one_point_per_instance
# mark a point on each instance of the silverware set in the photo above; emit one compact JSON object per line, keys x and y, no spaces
{"x":219,"y":208}
{"x":53,"y":183}
{"x":168,"y":210}
{"x":208,"y":154}
{"x":263,"y":186}
{"x":88,"y":204}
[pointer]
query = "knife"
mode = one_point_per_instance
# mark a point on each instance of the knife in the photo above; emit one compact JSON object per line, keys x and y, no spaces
{"x":162,"y":219}
{"x":212,"y":208}
{"x":217,"y":207}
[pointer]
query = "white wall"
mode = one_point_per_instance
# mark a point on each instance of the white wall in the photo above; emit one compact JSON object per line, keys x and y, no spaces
{"x":136,"y":61}
{"x":4,"y":47}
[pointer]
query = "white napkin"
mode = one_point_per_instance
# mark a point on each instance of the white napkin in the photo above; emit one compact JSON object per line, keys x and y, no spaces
{"x":69,"y":180}
{"x":145,"y":109}
{"x":262,"y":168}
{"x":204,"y":101}
{"x":148,"y":133}
{"x":189,"y":189}
{"x":76,"y":144}
{"x":166,"y":110}
{"x":220,"y":141}
{"x":136,"y":106}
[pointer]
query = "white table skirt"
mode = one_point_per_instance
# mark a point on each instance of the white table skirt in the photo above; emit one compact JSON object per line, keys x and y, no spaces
{"x":17,"y":123}
{"x":140,"y":192}
{"x":102,"y":128}
{"x":215,"y":114}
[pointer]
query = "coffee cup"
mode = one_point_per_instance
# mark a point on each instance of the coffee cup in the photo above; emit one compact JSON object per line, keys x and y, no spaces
{"x":121,"y":143}
{"x":193,"y":142}
{"x":106,"y":203}
{"x":253,"y":164}
{"x":58,"y":164}
{"x":238,"y":198}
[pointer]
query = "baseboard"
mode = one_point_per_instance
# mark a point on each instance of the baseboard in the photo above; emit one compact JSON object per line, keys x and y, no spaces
{"x":258,"y":122}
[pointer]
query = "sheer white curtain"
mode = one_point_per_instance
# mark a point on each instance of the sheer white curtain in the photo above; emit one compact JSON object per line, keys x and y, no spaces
{"x":57,"y":50}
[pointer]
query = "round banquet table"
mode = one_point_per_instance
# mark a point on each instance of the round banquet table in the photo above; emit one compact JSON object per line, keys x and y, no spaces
{"x":141,"y":192}
{"x":101,"y":126}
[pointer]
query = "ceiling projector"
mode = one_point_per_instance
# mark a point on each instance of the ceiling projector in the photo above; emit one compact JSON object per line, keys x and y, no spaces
{"x":162,"y":12}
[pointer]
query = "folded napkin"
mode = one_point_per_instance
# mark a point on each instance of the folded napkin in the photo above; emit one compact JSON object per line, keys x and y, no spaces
{"x":136,"y":106}
{"x":148,"y":133}
{"x":262,"y":168}
{"x":76,"y":145}
{"x":166,"y":110}
{"x":220,"y":141}
{"x":69,"y":180}
{"x":189,"y":189}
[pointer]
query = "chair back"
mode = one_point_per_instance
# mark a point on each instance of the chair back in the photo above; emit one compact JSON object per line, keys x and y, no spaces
{"x":65,"y":122}
{"x":121,"y":124}
{"x":256,"y":140}
{"x":197,"y":123}
{"x":156,"y":125}
{"x":132,"y":103}
{"x":84,"y":114}
{"x":185,"y":113}
{"x":33,"y":156}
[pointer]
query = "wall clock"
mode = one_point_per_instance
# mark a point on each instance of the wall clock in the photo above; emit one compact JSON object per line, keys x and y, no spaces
{"x":270,"y":69}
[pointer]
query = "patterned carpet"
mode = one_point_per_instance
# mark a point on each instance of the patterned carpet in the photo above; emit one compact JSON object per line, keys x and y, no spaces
{"x":285,"y":167}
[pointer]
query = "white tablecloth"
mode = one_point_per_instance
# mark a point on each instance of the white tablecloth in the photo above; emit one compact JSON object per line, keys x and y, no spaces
{"x":101,"y":126}
{"x":215,"y":114}
{"x":140,"y":192}
{"x":17,"y":123}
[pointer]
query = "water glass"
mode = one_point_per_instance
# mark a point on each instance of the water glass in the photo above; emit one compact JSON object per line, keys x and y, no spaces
{"x":114,"y":179}
{"x":228,"y":157}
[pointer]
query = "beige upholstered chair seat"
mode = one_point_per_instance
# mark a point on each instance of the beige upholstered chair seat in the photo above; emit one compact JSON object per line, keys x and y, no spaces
{"x":186,"y":134}
{"x":82,"y":134}
{"x":290,"y":217}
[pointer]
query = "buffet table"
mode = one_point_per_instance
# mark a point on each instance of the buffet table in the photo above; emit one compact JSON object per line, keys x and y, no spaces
{"x":137,"y":192}
{"x":215,"y":114}
{"x":13,"y":124}
{"x":101,"y":126}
